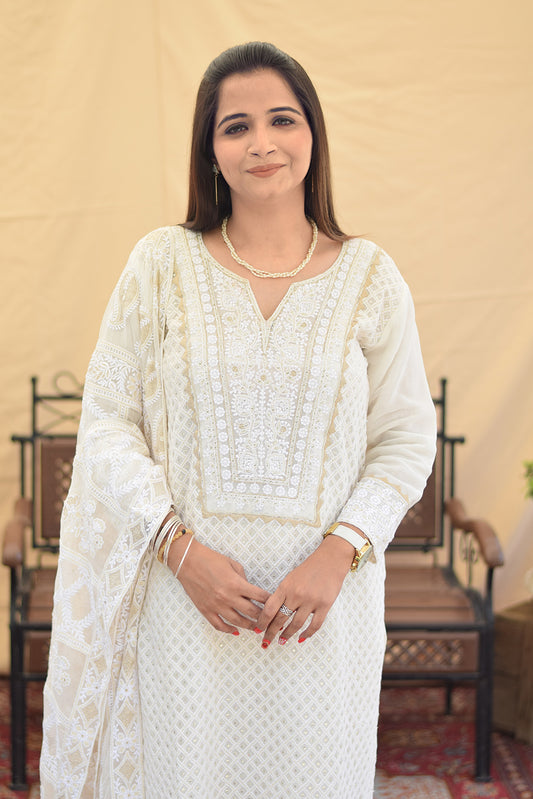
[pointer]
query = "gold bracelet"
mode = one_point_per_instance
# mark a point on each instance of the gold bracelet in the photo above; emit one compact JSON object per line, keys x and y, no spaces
{"x":167,"y":543}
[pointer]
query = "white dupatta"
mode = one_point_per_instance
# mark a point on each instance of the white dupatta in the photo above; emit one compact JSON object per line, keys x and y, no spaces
{"x":116,"y":503}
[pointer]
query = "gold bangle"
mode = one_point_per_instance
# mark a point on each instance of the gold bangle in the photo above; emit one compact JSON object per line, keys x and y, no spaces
{"x":168,"y":543}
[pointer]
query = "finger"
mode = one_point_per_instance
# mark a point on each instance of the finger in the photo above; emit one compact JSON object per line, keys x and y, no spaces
{"x":219,"y":624}
{"x":238,"y":611}
{"x":252,"y":591}
{"x":248,"y":609}
{"x":270,"y":610}
{"x":238,"y":567}
{"x":316,"y":623}
{"x":257,"y":594}
{"x":235,"y":618}
{"x":281,"y":623}
{"x":295,"y":623}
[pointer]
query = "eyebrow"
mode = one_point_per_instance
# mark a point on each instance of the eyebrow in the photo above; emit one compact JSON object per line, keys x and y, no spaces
{"x":276,"y":110}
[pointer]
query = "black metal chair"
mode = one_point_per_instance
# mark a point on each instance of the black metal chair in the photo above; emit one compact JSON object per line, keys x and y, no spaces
{"x":31,"y":543}
{"x":440,"y":626}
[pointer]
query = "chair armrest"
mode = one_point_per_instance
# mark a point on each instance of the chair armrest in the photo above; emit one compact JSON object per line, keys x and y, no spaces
{"x":24,"y":510}
{"x":13,"y":548}
{"x":487,"y":539}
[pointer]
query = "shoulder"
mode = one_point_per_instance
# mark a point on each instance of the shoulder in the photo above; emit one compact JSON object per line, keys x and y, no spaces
{"x":366,"y":253}
{"x":375,"y":267}
{"x":169,"y":233}
{"x":165,"y":245}
{"x":154,"y":256}
{"x":155,"y":244}
{"x":381,"y":289}
{"x":149,"y":268}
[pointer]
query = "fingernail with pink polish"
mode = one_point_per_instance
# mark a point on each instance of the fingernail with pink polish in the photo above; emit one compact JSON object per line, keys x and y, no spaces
{"x":282,"y":641}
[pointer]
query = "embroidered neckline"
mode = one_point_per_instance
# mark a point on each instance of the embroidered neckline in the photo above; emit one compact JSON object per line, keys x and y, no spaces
{"x":245,"y":281}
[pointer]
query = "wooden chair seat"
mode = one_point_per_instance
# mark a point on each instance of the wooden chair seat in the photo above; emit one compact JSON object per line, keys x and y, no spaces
{"x":426,"y":596}
{"x":420,"y":600}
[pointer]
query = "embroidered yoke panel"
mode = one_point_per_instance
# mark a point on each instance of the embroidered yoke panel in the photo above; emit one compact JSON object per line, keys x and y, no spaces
{"x":265,"y":392}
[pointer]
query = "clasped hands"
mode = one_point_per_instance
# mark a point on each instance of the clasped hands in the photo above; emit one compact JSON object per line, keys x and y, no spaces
{"x":218,"y":587}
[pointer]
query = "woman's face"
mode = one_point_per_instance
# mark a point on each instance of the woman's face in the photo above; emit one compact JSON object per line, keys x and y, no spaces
{"x":262,"y":141}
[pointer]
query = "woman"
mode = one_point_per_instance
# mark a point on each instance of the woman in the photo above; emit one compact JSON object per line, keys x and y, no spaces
{"x":257,"y":380}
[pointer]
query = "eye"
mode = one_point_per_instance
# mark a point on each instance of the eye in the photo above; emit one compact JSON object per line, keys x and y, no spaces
{"x":283,"y":121}
{"x":234,"y":129}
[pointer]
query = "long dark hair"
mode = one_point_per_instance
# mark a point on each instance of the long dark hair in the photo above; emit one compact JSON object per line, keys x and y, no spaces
{"x":203,"y":213}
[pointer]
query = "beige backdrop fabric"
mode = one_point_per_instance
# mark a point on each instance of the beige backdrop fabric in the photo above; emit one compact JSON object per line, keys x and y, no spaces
{"x":430,"y":115}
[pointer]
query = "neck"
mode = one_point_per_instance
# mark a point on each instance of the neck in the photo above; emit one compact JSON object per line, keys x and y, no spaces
{"x":276,"y":228}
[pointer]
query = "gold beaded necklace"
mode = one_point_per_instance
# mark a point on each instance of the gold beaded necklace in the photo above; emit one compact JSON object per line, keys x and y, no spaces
{"x":261,"y":272}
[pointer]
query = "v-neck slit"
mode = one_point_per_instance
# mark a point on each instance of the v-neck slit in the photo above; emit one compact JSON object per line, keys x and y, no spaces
{"x":268,"y":321}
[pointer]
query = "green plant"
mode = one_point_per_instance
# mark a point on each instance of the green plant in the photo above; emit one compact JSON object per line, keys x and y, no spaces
{"x":529,"y":478}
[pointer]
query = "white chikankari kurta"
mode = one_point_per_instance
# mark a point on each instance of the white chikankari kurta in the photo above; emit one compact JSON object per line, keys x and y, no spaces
{"x":261,"y":433}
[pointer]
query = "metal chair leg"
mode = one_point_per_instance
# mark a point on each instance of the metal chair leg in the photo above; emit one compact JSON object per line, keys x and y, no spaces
{"x":449,"y":691}
{"x":483,"y":731}
{"x":484,"y":708}
{"x":18,"y":714}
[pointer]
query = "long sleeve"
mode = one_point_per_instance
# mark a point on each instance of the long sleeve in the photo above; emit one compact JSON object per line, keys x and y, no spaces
{"x":401,"y":428}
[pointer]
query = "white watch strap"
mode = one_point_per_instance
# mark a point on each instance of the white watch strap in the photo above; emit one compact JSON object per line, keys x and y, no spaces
{"x":355,"y":539}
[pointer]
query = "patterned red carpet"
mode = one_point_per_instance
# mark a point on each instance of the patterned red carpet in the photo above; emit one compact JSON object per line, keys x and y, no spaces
{"x":34,"y":741}
{"x":423,"y":754}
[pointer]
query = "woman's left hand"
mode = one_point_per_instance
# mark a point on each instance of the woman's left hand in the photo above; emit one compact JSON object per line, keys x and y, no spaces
{"x":310,"y":588}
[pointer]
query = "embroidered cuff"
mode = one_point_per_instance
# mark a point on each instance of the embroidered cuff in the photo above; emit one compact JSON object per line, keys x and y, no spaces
{"x":376,"y":509}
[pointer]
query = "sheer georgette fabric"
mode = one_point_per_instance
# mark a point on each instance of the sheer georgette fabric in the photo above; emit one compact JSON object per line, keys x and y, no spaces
{"x":261,"y":433}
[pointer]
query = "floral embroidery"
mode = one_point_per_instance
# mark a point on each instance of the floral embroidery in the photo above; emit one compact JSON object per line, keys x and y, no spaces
{"x":89,"y":528}
{"x":61,"y":674}
{"x":265,"y":390}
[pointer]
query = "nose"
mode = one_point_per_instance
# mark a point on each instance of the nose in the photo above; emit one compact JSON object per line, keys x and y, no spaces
{"x":261,"y":143}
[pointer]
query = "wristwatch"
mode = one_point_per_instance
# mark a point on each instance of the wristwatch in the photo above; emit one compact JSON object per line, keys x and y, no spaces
{"x":363,"y":547}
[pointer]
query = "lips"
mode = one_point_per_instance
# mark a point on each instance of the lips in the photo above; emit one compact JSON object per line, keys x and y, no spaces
{"x":265,"y":170}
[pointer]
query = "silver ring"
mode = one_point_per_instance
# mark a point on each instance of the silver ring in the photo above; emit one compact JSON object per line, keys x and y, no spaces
{"x":286,"y":611}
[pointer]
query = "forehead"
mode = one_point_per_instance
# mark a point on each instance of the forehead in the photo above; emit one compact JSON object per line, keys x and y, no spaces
{"x":254,"y":92}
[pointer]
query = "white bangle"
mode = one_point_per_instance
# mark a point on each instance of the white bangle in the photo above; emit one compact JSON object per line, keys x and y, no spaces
{"x":171,"y":537}
{"x":183,"y":558}
{"x":170,"y":532}
{"x":163,"y":532}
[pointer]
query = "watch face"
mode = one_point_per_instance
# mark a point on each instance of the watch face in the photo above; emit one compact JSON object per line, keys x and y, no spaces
{"x":361,"y":556}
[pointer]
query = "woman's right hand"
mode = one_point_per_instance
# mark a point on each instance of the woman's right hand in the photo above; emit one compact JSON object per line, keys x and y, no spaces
{"x":217,"y":585}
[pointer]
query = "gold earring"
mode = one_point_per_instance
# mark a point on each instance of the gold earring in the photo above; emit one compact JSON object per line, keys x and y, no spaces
{"x":216,"y":172}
